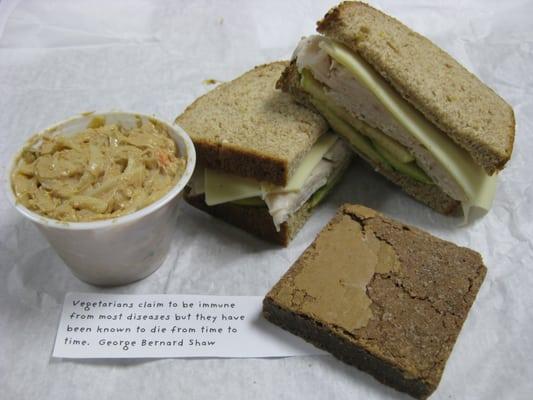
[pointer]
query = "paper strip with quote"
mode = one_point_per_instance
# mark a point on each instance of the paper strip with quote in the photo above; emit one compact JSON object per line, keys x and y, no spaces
{"x":95,"y":325}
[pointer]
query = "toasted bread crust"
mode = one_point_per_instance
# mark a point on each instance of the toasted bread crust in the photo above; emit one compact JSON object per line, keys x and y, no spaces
{"x":448,"y":95}
{"x":431,"y":195}
{"x":242,"y":162}
{"x":248,"y":128}
{"x":255,"y":220}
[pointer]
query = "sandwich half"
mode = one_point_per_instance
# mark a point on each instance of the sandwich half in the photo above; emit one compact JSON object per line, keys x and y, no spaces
{"x":264,"y":161}
{"x":406,"y":106}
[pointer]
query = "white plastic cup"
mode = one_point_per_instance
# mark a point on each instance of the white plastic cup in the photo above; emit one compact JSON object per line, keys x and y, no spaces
{"x":124,"y":249}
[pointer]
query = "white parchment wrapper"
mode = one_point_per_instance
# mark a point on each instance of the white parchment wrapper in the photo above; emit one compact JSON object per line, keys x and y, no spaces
{"x":59,"y":58}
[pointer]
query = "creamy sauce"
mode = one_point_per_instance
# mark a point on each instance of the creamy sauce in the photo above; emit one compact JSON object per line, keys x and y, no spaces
{"x":102,"y":172}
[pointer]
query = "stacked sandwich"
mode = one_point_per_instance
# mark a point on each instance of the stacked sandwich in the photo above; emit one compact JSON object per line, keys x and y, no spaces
{"x":264,"y":161}
{"x":406,"y":106}
{"x":400,"y":102}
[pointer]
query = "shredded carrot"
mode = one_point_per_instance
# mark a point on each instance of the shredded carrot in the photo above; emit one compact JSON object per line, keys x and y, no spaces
{"x":163,"y":158}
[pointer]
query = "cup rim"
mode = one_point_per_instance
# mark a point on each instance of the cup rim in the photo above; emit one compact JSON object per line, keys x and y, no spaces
{"x":175,"y":130}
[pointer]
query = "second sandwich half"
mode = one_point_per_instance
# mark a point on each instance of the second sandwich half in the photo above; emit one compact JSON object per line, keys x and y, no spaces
{"x":264,"y":161}
{"x":406,"y":106}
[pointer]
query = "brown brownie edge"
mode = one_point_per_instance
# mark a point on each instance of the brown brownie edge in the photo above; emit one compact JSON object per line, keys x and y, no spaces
{"x":319,"y":335}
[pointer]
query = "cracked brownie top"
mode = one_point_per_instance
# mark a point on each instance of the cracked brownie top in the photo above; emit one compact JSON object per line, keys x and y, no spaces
{"x":399,"y":293}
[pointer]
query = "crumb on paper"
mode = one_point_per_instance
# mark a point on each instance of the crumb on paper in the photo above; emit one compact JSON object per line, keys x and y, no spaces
{"x":221,"y":21}
{"x":210,"y":81}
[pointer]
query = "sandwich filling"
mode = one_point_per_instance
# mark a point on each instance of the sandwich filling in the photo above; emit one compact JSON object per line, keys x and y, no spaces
{"x":360,"y":105}
{"x":315,"y":175}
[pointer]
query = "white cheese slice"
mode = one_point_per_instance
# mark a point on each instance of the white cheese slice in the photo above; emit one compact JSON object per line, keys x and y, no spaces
{"x":310,"y":161}
{"x":478,"y":186}
{"x":221,"y":187}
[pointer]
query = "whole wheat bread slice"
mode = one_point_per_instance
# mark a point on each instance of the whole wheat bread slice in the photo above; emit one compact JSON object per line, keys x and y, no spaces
{"x":431,"y":195}
{"x":248,"y":128}
{"x":448,"y":95}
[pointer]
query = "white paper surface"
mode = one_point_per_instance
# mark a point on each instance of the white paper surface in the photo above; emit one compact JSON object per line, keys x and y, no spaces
{"x":97,"y":325}
{"x":58,"y":58}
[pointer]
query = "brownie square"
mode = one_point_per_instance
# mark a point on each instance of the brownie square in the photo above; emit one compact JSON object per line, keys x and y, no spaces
{"x":383,"y":296}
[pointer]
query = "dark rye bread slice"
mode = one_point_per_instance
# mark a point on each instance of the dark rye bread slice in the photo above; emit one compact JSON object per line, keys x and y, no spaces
{"x":248,"y":128}
{"x":254,"y":220}
{"x":383,"y":296}
{"x":448,"y":95}
{"x":430,"y":195}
